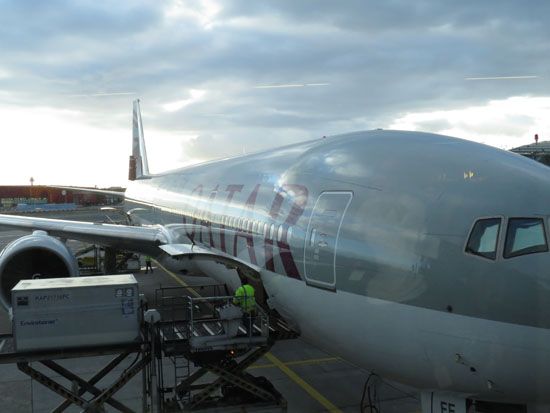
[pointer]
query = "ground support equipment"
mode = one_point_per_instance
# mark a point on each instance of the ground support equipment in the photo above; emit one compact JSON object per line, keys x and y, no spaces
{"x":81,"y":387}
{"x":212,"y":335}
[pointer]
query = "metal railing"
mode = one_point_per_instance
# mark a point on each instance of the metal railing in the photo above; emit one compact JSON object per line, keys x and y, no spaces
{"x":209,"y":322}
{"x":224,"y":324}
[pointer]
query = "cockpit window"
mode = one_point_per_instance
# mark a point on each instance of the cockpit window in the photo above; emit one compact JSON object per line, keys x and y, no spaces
{"x":525,"y":236}
{"x":484,"y":237}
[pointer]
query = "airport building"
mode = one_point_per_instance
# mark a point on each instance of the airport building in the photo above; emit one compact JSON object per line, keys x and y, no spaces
{"x":539,"y":151}
{"x":38,"y":195}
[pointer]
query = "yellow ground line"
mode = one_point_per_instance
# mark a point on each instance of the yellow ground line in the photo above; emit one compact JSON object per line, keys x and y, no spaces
{"x":257,"y":366}
{"x":306,"y":362}
{"x":300,"y":382}
{"x":178,"y":279}
{"x":278,"y":363}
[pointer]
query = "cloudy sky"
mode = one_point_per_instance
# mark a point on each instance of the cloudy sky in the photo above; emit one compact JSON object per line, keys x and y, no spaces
{"x":218,"y":78}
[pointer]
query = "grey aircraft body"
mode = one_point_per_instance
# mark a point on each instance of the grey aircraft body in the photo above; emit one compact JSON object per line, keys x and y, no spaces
{"x":419,"y":256}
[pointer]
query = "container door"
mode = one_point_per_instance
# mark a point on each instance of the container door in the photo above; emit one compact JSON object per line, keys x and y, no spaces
{"x":321,"y":243}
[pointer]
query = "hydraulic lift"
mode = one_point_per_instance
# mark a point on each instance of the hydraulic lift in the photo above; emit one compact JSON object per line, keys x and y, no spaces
{"x":211,"y":333}
{"x":79,"y":386}
{"x":194,"y":351}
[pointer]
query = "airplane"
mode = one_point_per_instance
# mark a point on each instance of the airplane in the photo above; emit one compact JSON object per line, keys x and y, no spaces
{"x":421,"y":257}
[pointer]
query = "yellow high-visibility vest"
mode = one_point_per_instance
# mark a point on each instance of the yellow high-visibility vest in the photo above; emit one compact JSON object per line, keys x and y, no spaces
{"x":244,"y":298}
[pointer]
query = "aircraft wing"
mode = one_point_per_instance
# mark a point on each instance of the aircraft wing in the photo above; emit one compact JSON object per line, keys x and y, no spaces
{"x":204,"y":252}
{"x":133,"y":238}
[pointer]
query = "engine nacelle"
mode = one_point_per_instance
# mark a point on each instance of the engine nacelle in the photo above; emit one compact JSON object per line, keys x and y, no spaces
{"x":33,"y":256}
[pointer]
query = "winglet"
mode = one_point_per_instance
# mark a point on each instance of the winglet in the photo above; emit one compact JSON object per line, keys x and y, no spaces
{"x":139,"y":167}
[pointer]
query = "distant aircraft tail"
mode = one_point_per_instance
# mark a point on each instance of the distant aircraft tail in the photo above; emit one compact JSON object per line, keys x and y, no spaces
{"x":139,"y":168}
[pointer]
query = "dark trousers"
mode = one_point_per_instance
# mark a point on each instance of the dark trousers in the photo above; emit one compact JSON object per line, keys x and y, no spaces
{"x":148,"y":266}
{"x":248,"y":322}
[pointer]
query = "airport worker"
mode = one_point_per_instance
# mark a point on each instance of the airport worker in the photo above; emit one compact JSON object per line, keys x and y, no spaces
{"x":244,"y":298}
{"x":148,"y":264}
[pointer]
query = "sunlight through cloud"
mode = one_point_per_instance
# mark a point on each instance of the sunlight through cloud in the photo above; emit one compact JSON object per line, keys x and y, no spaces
{"x":204,"y":14}
{"x":196,"y":95}
{"x":502,"y":123}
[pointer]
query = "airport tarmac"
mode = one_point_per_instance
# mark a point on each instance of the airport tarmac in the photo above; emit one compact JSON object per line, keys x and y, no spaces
{"x":310,"y":379}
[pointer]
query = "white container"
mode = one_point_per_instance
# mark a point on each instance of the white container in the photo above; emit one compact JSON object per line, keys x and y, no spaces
{"x":73,"y":312}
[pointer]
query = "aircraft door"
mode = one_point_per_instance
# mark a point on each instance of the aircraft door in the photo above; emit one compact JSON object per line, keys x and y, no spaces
{"x":321,"y":242}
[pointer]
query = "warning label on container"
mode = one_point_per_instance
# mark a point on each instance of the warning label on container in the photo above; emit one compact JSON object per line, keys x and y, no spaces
{"x":127,"y":306}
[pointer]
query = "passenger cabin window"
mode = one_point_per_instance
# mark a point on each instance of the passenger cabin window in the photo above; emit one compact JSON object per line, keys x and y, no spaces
{"x":280,"y":233}
{"x":483,"y":238}
{"x":289,"y":235}
{"x":525,"y":236}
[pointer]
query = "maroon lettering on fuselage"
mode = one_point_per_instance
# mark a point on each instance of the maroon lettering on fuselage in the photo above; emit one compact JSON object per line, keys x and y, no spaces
{"x":231,"y":189}
{"x":294,"y":193}
{"x":299,"y":194}
{"x":208,"y":222}
{"x":268,"y":240}
{"x":191,"y":232}
{"x":245,"y":231}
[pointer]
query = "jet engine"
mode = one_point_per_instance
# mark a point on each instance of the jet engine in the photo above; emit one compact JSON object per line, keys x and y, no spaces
{"x":33,"y":256}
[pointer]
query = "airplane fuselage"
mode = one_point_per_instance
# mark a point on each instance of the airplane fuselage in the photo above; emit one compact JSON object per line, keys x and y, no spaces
{"x":363,"y":244}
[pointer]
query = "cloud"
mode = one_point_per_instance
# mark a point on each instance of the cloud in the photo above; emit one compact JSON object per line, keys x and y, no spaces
{"x":245,"y":141}
{"x":378,"y":62}
{"x":195,"y":95}
{"x":203,"y":11}
{"x":503,"y":123}
{"x":55,"y":146}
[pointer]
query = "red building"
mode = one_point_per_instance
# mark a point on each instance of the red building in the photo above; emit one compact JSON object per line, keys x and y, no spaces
{"x":10,"y":196}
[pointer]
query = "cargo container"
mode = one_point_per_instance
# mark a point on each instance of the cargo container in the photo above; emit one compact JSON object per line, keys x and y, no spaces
{"x":58,"y":313}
